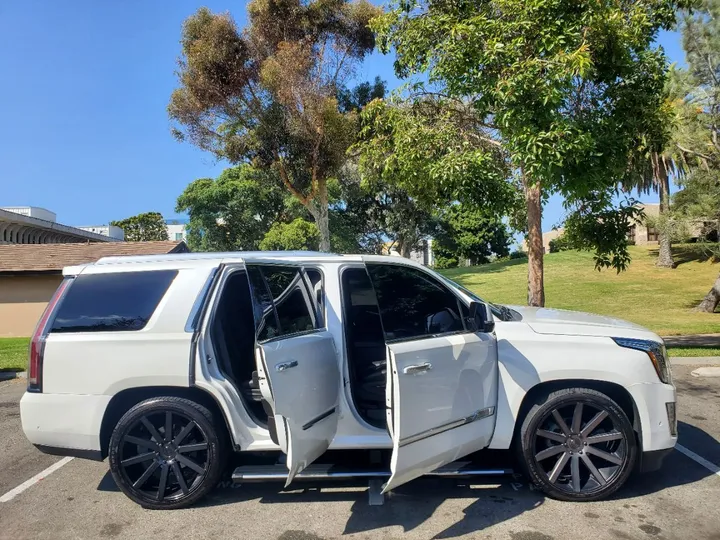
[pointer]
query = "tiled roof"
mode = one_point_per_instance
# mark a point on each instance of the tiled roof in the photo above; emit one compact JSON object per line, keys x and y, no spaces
{"x":49,"y":257}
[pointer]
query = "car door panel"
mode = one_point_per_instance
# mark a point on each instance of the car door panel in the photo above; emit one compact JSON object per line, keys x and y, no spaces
{"x":441,"y":401}
{"x":300,"y":379}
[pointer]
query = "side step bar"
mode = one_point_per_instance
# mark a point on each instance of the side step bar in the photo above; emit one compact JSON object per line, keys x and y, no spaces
{"x":268,"y":473}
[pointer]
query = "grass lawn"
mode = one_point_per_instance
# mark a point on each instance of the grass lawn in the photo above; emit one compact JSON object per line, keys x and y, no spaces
{"x":14,"y":354}
{"x":689,"y":351}
{"x":660,"y":299}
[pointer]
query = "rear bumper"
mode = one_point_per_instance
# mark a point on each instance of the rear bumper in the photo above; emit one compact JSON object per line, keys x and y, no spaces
{"x":63,"y":424}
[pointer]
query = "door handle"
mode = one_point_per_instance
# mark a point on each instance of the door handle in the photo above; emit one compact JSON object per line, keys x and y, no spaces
{"x":419,"y":368}
{"x":284,"y":366}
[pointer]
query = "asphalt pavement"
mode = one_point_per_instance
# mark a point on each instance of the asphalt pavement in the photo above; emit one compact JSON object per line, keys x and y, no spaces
{"x":79,"y":500}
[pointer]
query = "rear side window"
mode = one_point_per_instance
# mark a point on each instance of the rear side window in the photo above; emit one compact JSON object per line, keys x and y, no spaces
{"x":282,"y":300}
{"x":111,"y":302}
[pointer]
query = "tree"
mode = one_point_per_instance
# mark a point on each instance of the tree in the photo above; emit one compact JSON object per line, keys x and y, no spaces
{"x":234,"y":211}
{"x":296,"y":235}
{"x":149,"y":226}
{"x":469,"y":233}
{"x":566,"y":89}
{"x":268,"y":95}
{"x":699,"y":203}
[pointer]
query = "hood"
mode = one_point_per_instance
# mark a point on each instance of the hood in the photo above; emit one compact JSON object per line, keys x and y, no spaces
{"x":577,"y":323}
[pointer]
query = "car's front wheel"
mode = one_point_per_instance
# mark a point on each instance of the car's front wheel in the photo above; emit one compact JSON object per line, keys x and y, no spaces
{"x":577,"y":444}
{"x":166,"y":453}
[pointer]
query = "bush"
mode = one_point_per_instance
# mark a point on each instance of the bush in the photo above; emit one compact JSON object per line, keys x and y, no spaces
{"x":518,"y":255}
{"x":296,"y":235}
{"x":442,"y":262}
{"x":561,"y":243}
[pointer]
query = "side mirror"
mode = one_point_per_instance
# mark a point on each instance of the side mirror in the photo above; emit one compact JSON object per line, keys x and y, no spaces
{"x":482,"y":316}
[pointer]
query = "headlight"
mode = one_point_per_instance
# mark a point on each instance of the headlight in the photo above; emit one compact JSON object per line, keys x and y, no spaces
{"x":656,"y":352}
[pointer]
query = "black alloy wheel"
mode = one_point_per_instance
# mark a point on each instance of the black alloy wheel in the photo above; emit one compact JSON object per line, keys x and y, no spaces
{"x":578,"y":445}
{"x":165,"y":453}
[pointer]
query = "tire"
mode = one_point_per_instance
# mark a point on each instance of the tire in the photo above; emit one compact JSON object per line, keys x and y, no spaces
{"x":185,"y":466}
{"x":592,"y":462}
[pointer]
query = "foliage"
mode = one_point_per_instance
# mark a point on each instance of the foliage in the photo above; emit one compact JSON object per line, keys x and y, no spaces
{"x":467,"y":232}
{"x":444,"y":259}
{"x":144,"y":227}
{"x":561,"y":243}
{"x":436,"y":150}
{"x":296,"y":235}
{"x":515,"y":255}
{"x":268,"y":95}
{"x":565,"y":93}
{"x":361,"y":95}
{"x":698,"y":202}
{"x":597,"y":224}
{"x":234,"y":211}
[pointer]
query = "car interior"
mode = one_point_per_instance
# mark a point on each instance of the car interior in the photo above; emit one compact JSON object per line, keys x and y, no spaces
{"x":365,"y":340}
{"x":233,"y":336}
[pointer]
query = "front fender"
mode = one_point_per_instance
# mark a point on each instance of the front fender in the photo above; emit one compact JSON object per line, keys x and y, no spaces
{"x":527,"y":359}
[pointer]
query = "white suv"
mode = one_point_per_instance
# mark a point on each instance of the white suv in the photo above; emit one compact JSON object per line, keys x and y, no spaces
{"x":167,"y":364}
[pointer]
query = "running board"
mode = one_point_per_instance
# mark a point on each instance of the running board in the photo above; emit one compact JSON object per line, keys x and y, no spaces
{"x":268,"y":473}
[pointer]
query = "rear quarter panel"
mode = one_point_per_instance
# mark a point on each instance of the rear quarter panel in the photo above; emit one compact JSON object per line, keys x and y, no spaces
{"x":105,"y":363}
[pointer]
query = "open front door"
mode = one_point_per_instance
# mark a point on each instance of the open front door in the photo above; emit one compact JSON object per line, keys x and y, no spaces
{"x":441,"y":403}
{"x":299,"y":378}
{"x":442,"y":375}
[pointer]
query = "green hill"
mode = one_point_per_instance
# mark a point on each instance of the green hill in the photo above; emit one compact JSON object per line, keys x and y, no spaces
{"x":660,"y":299}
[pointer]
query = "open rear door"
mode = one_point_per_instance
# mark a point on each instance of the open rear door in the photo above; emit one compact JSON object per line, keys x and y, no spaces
{"x":300,"y":379}
{"x":441,"y":402}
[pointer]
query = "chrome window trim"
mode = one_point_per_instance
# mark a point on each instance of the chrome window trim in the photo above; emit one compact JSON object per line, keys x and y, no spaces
{"x":477,"y":415}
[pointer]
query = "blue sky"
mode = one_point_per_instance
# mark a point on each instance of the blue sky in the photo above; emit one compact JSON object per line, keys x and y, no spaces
{"x":84,"y":128}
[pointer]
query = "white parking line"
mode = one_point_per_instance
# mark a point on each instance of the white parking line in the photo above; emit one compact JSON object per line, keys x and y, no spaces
{"x":698,"y":459}
{"x":10,"y":495}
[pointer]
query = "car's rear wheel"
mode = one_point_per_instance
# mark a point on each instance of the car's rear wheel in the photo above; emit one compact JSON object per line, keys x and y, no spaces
{"x":166,"y":453}
{"x":577,"y":444}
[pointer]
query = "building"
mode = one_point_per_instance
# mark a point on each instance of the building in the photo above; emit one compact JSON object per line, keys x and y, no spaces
{"x":422,"y":253}
{"x":33,"y":225}
{"x":176,"y":229}
{"x":30,"y":274}
{"x":111,"y":231}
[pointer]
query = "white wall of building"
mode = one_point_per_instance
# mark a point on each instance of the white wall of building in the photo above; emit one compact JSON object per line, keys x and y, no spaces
{"x":106,"y":230}
{"x":33,"y":212}
{"x":176,"y":231}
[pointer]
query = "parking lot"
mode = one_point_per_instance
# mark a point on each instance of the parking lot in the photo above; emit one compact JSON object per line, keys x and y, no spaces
{"x":80,"y":500}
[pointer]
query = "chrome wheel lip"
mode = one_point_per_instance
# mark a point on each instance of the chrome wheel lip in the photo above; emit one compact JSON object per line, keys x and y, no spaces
{"x":167,"y":456}
{"x":573,"y":447}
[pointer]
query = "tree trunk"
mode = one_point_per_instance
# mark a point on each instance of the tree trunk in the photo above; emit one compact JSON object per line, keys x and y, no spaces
{"x":406,"y":249}
{"x":665,"y":258}
{"x":712,"y":299}
{"x":322,"y":216}
{"x":536,"y":287}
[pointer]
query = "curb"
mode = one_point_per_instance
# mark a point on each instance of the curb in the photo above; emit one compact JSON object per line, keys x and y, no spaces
{"x":695,"y":360}
{"x":9,"y":375}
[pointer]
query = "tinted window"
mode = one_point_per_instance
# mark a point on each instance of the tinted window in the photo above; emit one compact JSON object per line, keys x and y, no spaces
{"x":266,"y":324}
{"x":283,"y":304}
{"x":413,"y":304}
{"x":111,"y":302}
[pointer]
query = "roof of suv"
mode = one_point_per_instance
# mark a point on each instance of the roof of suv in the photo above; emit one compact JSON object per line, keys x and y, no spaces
{"x":182,"y":259}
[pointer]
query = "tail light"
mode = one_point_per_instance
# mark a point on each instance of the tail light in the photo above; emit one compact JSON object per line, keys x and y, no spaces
{"x":37,"y":344}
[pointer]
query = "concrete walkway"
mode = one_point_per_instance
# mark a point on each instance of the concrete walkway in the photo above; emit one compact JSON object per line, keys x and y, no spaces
{"x":696,"y":340}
